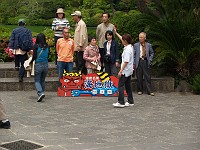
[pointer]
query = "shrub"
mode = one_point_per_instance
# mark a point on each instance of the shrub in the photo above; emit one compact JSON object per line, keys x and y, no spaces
{"x":195,"y":83}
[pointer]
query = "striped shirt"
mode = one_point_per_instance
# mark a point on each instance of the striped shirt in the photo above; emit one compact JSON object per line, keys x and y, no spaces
{"x":56,"y":22}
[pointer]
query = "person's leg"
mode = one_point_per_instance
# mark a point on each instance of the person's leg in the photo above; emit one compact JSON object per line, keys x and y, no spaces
{"x":147,"y":77}
{"x":69,"y":66}
{"x":4,"y":122}
{"x":55,"y":42}
{"x":81,"y":63}
{"x":89,"y":70}
{"x":2,"y":112}
{"x":101,"y":51}
{"x":37,"y":78}
{"x":22,"y":59}
{"x":107,"y":67}
{"x":121,"y":84}
{"x":139,"y":76}
{"x":43,"y":76}
{"x":60,"y":69}
{"x":113,"y":69}
{"x":16,"y":58}
{"x":129,"y":90}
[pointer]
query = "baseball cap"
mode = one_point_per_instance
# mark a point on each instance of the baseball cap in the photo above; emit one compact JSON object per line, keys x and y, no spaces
{"x":76,"y":13}
{"x":21,"y":21}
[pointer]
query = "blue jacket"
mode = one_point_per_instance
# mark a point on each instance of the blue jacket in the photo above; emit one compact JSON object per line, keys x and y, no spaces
{"x":149,"y":53}
{"x":114,"y":50}
{"x":13,"y":43}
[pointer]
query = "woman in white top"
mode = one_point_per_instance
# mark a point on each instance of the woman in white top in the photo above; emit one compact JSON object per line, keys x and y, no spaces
{"x":125,"y":72}
{"x":59,"y":23}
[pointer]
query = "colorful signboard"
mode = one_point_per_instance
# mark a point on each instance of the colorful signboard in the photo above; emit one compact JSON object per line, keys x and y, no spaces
{"x":95,"y":84}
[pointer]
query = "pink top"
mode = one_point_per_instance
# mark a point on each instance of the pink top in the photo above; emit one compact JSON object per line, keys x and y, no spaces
{"x":90,"y":54}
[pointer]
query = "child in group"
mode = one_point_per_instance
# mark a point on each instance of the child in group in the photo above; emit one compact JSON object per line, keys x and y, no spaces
{"x":111,"y":54}
{"x":92,"y":56}
{"x":40,"y":55}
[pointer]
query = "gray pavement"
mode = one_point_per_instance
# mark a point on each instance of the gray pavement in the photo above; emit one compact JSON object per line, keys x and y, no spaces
{"x":168,"y":121}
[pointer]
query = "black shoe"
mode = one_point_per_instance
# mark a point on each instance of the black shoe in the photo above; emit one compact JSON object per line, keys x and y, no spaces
{"x":17,"y":68}
{"x":20,"y":79}
{"x":5,"y":125}
{"x":41,"y":98}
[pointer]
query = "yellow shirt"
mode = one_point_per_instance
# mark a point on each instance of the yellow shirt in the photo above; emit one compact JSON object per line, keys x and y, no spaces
{"x":65,"y":49}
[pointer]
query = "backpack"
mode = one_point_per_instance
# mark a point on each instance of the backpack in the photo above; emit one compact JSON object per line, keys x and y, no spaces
{"x":25,"y":40}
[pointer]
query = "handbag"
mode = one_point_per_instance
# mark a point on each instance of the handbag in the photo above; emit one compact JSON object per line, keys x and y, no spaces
{"x":95,"y":65}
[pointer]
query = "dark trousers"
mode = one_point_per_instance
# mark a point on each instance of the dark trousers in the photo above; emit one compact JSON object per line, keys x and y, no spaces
{"x":16,"y":61}
{"x":80,"y":62}
{"x":110,"y":68}
{"x":101,"y":51}
{"x":55,"y":42}
{"x":125,"y":82}
{"x":21,"y":59}
{"x":143,"y":70}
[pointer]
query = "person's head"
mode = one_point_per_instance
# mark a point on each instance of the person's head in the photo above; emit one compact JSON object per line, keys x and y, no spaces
{"x":105,"y":17}
{"x":66,"y":33}
{"x":60,"y":13}
{"x":21,"y":22}
{"x":109,"y":35}
{"x":41,"y":40}
{"x":142,"y":37}
{"x":76,"y":16}
{"x":127,"y":39}
{"x":92,"y":40}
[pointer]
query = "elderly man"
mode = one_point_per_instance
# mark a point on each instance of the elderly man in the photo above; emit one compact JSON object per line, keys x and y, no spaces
{"x":65,"y":51}
{"x":142,"y":61}
{"x":80,"y":41}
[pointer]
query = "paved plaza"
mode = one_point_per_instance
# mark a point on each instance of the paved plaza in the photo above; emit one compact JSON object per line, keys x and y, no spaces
{"x":167,"y":121}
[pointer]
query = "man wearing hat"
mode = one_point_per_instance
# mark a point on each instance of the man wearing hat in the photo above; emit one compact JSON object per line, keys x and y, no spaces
{"x":80,"y":41}
{"x":20,"y":56}
{"x":59,"y":23}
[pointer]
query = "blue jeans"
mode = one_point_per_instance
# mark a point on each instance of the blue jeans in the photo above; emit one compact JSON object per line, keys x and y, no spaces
{"x":67,"y":66}
{"x":41,"y":70}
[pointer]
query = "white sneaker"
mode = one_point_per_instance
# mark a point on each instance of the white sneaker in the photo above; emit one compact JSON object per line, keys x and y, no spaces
{"x":127,"y":104}
{"x":118,"y":105}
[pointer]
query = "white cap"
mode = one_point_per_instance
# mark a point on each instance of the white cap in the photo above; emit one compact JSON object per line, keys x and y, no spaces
{"x":76,"y":13}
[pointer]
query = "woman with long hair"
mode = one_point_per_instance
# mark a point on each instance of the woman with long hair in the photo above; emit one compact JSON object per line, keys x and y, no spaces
{"x":40,"y":55}
{"x":126,"y":71}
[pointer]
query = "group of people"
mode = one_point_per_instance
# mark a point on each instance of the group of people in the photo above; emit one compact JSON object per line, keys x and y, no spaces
{"x":135,"y":57}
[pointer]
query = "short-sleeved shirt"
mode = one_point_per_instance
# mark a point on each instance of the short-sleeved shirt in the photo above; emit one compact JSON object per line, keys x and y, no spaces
{"x":127,"y":56}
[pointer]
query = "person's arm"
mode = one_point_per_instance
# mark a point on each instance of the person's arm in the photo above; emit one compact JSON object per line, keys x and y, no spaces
{"x":67,"y":24}
{"x":116,"y":54}
{"x":83,"y":33}
{"x":34,"y":53}
{"x":54,"y":24}
{"x":151,"y":54}
{"x":118,"y":35}
{"x":86,"y":55}
{"x":97,"y":32}
{"x":11,"y":42}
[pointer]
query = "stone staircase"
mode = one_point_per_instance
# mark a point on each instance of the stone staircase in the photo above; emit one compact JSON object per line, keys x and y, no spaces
{"x":9,"y":80}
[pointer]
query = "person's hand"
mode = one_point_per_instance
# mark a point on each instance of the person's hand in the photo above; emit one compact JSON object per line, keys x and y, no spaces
{"x":120,"y":74}
{"x":31,"y":51}
{"x":59,"y":27}
{"x":115,"y":29}
{"x":117,"y":64}
{"x":10,"y":51}
{"x":134,"y":66}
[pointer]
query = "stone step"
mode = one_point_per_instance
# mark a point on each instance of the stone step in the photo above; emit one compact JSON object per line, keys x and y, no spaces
{"x":12,"y":84}
{"x":7,"y":70}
